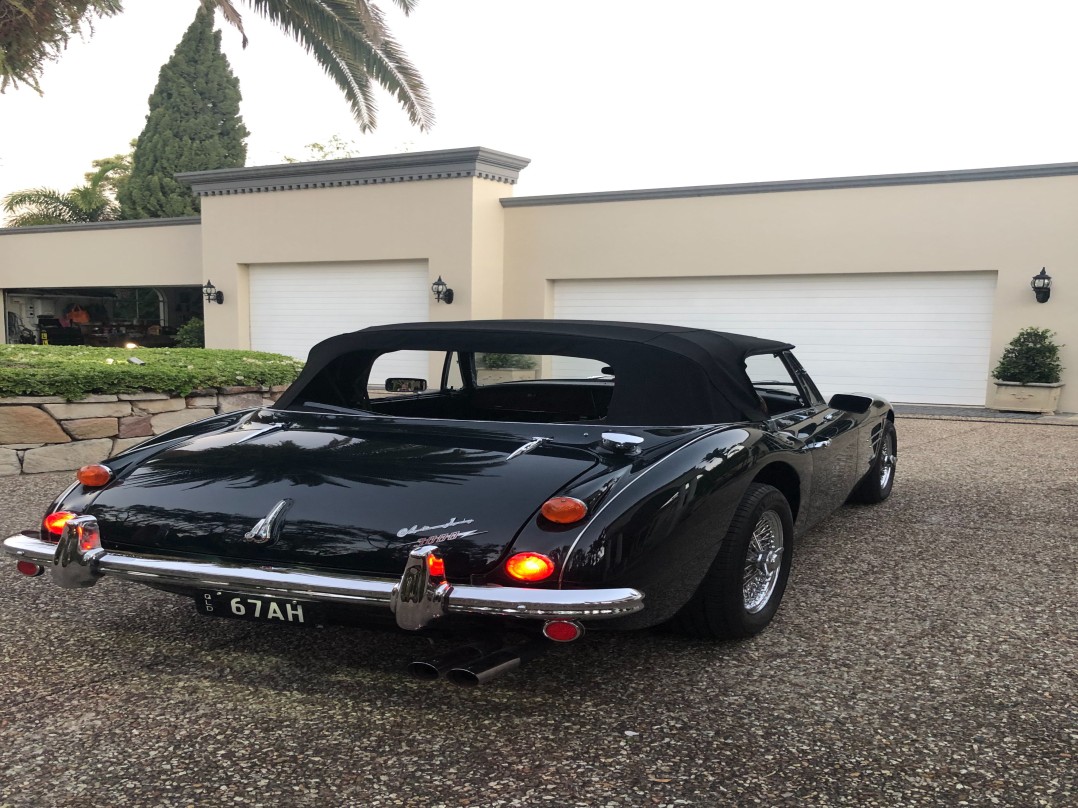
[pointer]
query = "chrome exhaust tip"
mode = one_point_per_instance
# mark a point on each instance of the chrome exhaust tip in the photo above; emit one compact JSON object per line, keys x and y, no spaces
{"x":436,"y":667}
{"x":485,"y":669}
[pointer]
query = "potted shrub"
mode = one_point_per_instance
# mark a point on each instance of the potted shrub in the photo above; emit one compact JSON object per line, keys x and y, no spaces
{"x":1029,"y":372}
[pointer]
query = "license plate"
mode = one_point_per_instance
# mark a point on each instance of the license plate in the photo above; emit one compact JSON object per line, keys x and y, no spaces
{"x":258,"y":607}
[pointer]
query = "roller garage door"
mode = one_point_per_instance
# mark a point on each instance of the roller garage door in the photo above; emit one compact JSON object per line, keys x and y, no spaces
{"x":916,"y":337}
{"x":294,"y":306}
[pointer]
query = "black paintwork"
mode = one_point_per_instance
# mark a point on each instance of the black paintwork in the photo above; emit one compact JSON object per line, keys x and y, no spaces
{"x":366,"y":489}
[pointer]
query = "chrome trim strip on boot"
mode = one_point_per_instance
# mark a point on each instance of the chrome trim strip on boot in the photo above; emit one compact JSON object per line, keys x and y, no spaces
{"x":416,"y":602}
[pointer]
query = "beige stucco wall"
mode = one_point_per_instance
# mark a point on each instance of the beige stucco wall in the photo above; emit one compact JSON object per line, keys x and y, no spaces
{"x":1012,"y":227}
{"x":117,"y":255}
{"x":453,"y":224}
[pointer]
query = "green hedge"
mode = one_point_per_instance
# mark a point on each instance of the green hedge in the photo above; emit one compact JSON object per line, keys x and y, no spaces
{"x":78,"y":371}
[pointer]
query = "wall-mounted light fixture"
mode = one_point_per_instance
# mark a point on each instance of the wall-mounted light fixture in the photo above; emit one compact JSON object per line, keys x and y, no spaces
{"x":211,"y":293}
{"x":442,"y":293}
{"x":1042,"y":286}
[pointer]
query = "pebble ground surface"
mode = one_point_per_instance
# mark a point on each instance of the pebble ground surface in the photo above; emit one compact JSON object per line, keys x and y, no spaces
{"x":925,"y":654}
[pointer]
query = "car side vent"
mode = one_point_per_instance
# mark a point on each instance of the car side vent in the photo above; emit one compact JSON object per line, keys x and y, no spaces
{"x":874,"y":438}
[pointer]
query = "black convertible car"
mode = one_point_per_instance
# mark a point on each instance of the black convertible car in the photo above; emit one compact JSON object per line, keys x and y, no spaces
{"x":513,"y":478}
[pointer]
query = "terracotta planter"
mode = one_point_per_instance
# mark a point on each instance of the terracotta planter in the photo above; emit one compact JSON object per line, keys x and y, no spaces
{"x":1016,"y":397}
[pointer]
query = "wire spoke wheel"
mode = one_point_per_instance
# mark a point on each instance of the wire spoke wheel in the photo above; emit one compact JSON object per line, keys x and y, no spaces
{"x":888,"y":459}
{"x":763,"y":562}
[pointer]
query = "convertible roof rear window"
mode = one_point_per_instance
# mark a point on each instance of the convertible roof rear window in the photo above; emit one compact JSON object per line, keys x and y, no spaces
{"x":664,"y":374}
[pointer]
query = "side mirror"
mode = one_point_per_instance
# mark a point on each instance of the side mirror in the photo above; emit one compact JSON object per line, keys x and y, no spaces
{"x":850,"y":403}
{"x":401,"y":385}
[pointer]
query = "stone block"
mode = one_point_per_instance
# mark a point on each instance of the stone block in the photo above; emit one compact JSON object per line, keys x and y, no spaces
{"x":279,"y":388}
{"x":9,"y":463}
{"x":142,"y":396}
{"x":161,"y":405}
{"x":239,"y":401}
{"x":30,"y":425}
{"x":123,"y":444}
{"x":67,"y":457}
{"x":202,"y":401}
{"x":21,"y":445}
{"x":66,"y":412}
{"x":137,"y":426}
{"x":204,"y":391}
{"x":231,"y":391}
{"x":87,"y":428}
{"x":97,"y":399}
{"x":33,"y":400}
{"x":165,"y":421}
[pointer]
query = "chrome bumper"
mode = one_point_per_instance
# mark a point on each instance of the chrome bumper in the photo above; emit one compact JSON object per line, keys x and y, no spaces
{"x":417,"y":599}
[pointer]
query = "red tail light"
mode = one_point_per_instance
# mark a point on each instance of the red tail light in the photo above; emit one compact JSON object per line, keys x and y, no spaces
{"x":436,"y":566}
{"x":529,"y":567}
{"x":564,"y":510}
{"x":54,"y":524}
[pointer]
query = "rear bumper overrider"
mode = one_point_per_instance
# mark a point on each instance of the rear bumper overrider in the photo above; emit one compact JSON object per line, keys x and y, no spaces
{"x":417,"y":599}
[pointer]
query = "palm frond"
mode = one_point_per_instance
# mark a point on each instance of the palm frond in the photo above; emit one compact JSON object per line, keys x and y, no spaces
{"x":230,"y":13}
{"x":350,"y":40}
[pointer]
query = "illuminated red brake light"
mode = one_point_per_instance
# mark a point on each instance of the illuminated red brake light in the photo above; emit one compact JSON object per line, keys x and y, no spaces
{"x":564,"y":510}
{"x":529,"y":567}
{"x":436,"y":566}
{"x":54,"y":523}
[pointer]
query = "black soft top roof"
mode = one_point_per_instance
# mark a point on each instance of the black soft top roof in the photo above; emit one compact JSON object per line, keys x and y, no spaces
{"x":665,"y":374}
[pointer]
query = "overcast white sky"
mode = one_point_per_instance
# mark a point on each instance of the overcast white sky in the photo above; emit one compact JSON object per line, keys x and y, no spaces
{"x":614,"y":94}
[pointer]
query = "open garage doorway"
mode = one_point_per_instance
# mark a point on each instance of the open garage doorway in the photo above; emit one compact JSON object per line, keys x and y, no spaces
{"x":146,"y":316}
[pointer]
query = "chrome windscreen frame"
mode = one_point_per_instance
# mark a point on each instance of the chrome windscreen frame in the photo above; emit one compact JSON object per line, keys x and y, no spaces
{"x":417,"y":599}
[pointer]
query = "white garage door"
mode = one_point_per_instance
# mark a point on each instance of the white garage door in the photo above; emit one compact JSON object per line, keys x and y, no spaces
{"x":917,"y":337}
{"x":294,"y":306}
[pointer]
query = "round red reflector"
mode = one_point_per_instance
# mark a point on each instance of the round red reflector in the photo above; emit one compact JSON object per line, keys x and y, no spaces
{"x":29,"y":568}
{"x":562,"y":630}
{"x":54,"y":522}
{"x":436,"y":566}
{"x":564,"y":510}
{"x":529,"y":566}
{"x":94,"y":476}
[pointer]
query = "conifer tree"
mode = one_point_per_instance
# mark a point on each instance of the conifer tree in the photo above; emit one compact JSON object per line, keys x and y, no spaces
{"x":194,"y":124}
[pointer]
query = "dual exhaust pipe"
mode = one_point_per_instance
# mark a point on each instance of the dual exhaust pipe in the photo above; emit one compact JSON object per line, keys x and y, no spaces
{"x":477,"y":663}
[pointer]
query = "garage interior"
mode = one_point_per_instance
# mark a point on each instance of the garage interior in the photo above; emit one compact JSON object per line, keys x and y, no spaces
{"x":144,"y":316}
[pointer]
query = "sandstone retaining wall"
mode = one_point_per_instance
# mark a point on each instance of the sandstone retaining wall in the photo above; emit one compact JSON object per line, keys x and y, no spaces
{"x":48,"y":433}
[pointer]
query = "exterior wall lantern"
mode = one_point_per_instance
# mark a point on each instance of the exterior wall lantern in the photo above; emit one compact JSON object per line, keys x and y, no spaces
{"x":211,"y":293}
{"x":442,"y":293}
{"x":1042,"y":286}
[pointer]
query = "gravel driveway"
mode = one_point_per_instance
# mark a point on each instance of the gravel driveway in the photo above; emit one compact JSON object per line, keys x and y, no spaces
{"x":924,"y":655}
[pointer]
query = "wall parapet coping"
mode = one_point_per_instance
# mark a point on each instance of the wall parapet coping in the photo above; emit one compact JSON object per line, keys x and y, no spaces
{"x":477,"y":162}
{"x":786,"y":186}
{"x":123,"y":224}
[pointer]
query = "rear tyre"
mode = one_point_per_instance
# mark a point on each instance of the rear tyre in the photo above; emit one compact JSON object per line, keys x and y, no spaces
{"x":742,"y":590}
{"x":877,"y":484}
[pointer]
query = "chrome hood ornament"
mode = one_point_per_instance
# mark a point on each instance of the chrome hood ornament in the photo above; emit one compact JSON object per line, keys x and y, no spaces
{"x":268,"y":529}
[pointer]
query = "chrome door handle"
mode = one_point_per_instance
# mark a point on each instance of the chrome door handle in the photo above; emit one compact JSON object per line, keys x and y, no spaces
{"x":831,"y":416}
{"x":820,"y":444}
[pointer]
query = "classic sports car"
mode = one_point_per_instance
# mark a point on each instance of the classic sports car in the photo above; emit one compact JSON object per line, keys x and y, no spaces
{"x":623,"y":474}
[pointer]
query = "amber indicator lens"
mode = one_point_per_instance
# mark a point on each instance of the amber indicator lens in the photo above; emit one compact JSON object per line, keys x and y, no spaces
{"x":94,"y":476}
{"x":564,"y":510}
{"x":436,"y":566}
{"x":54,"y":522}
{"x":529,"y":567}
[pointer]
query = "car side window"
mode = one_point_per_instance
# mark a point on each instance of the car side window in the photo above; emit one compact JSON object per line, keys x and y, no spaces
{"x":774,"y":384}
